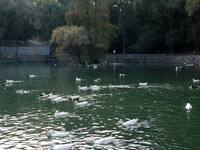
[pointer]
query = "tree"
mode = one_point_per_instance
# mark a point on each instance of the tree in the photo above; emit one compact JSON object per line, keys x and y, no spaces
{"x":50,"y":15}
{"x":192,"y":6}
{"x":94,"y":16}
{"x":70,"y":40}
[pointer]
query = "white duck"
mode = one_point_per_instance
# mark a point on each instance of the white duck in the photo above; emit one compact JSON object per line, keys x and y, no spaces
{"x":60,"y":147}
{"x":197,"y":80}
{"x":9,"y":81}
{"x":106,"y":140}
{"x":44,"y":96}
{"x":188,"y":106}
{"x":73,"y":97}
{"x":81,"y":104}
{"x":58,"y":99}
{"x":128,"y":123}
{"x":32,"y":75}
{"x":82,"y":88}
{"x":121,"y":74}
{"x":78,"y":79}
{"x":94,"y":87}
{"x":60,"y":114}
{"x":57,"y":134}
{"x":20,"y":91}
{"x":97,"y":80}
{"x":145,"y":83}
{"x":111,"y":86}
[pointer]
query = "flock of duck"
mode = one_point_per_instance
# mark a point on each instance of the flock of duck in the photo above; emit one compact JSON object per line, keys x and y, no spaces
{"x":188,"y":105}
{"x":43,"y":96}
{"x":106,"y":140}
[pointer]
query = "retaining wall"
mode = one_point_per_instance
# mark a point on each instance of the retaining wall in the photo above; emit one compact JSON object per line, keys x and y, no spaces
{"x":115,"y":58}
{"x":153,"y":58}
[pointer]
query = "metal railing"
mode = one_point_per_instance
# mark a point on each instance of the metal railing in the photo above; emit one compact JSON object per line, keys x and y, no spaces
{"x":24,"y":43}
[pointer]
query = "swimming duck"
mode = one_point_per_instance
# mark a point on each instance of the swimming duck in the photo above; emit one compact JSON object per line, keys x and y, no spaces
{"x":81,"y":103}
{"x":121,"y":74}
{"x":44,"y":96}
{"x":73,"y":97}
{"x":96,"y":80}
{"x":188,"y":106}
{"x":20,"y":91}
{"x":106,"y":140}
{"x":9,"y":81}
{"x":193,"y":87}
{"x":111,"y":86}
{"x":94,"y":87}
{"x":145,"y":83}
{"x":135,"y":86}
{"x":82,"y":88}
{"x":197,"y":80}
{"x":3,"y":84}
{"x":32,"y":76}
{"x":128,"y":123}
{"x":60,"y":114}
{"x":78,"y":79}
{"x":60,"y":147}
{"x":57,"y":134}
{"x":95,"y":66}
{"x":58,"y":99}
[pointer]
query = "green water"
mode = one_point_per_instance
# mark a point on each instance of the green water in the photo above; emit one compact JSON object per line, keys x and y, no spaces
{"x":163,"y":121}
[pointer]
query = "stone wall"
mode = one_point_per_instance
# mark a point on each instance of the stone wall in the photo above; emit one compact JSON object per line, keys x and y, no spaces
{"x":114,"y":58}
{"x":153,"y":58}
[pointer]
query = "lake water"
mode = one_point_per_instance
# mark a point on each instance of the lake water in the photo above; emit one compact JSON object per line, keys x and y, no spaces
{"x":163,"y":121}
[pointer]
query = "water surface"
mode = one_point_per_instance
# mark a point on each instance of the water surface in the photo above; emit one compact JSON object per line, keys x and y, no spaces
{"x":163,"y":121}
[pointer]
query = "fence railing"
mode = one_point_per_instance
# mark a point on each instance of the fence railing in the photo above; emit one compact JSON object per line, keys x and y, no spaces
{"x":25,"y":43}
{"x":30,"y":47}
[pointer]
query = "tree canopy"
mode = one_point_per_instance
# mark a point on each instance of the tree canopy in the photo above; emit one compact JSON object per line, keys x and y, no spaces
{"x":70,"y":40}
{"x":128,"y":26}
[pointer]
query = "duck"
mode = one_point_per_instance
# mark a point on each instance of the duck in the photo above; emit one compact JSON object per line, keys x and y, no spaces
{"x":188,"y":106}
{"x":9,"y":81}
{"x":178,"y":68}
{"x":60,"y":114}
{"x":94,"y":87}
{"x":82,"y":88}
{"x":60,"y":147}
{"x":32,"y":75}
{"x":128,"y":123}
{"x":81,"y":104}
{"x":121,"y":74}
{"x":195,"y":80}
{"x":135,"y":86}
{"x":111,"y":86}
{"x":58,"y":99}
{"x":145,"y":83}
{"x":73,"y":97}
{"x":97,"y":80}
{"x":95,"y":66}
{"x":106,"y":140}
{"x":78,"y":79}
{"x":19,"y":91}
{"x":3,"y":84}
{"x":193,"y":87}
{"x":57,"y":134}
{"x":44,"y":96}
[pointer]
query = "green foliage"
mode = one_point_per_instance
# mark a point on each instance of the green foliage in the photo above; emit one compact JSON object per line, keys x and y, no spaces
{"x":192,"y":6}
{"x":134,"y":26}
{"x":94,"y":16}
{"x":70,"y":39}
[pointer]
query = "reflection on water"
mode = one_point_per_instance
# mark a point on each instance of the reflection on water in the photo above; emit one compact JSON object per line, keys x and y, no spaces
{"x":163,"y":121}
